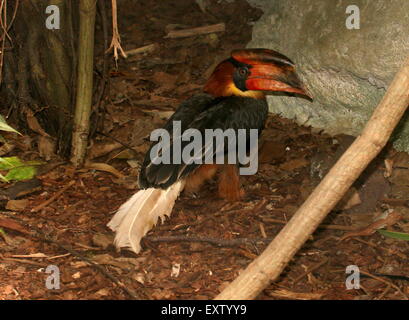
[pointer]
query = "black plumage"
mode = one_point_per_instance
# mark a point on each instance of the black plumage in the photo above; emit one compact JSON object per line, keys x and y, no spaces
{"x":203,"y":112}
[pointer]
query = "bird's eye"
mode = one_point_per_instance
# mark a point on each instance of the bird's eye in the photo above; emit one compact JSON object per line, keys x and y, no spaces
{"x":243,"y":71}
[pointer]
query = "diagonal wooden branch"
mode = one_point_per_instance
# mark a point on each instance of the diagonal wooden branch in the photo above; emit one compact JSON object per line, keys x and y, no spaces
{"x":268,"y":266}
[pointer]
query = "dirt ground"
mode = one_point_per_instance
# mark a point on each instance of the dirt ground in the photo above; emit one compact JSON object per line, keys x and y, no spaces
{"x":60,"y":217}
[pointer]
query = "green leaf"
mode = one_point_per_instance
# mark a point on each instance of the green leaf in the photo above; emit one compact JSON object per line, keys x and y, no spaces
{"x":5,"y":127}
{"x":17,"y":169}
{"x":395,"y":235}
{"x":7,"y":163}
{"x":21,"y":173}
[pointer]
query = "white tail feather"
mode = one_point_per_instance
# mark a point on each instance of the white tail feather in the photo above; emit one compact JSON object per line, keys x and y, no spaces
{"x":140,"y":213}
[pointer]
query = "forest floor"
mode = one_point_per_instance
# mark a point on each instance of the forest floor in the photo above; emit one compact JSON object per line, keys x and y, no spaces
{"x":60,"y":217}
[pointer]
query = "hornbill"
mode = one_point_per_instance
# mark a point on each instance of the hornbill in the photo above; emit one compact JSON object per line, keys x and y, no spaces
{"x":232,"y":98}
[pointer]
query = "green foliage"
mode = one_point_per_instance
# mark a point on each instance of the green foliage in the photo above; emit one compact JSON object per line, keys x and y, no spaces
{"x":17,"y":169}
{"x":395,"y":235}
{"x":5,"y":127}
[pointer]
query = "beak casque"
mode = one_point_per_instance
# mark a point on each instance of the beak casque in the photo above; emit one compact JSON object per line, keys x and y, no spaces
{"x":270,"y":71}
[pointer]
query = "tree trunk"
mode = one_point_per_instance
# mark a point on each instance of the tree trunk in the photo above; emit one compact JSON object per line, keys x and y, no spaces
{"x":40,"y":68}
{"x":84,"y":82}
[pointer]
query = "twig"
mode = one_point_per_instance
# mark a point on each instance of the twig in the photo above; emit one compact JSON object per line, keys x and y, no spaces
{"x":386,"y":282}
{"x":59,"y":256}
{"x":3,"y":22}
{"x":84,"y":246}
{"x":322,"y":226}
{"x":116,"y":38}
{"x":54,"y":197}
{"x":220,"y":27}
{"x":287,"y":294}
{"x":262,"y":230}
{"x":313,"y":268}
{"x":384,"y":292}
{"x":391,"y":219}
{"x":110,"y":276}
{"x":269,"y":265}
{"x":145,"y":49}
{"x":33,"y":263}
{"x":125,"y":145}
{"x":388,"y":250}
{"x":224,"y":211}
{"x":213,"y":241}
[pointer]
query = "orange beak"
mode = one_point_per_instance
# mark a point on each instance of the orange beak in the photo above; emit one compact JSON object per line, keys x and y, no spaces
{"x":268,"y":77}
{"x":270,"y":71}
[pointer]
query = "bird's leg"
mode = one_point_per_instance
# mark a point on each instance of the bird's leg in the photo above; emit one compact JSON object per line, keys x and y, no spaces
{"x":229,"y":183}
{"x":200,"y":176}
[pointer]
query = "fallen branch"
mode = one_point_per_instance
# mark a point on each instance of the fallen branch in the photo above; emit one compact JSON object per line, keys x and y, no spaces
{"x":322,"y":226}
{"x":213,"y":241}
{"x":268,"y":266}
{"x":145,"y":49}
{"x":220,"y":27}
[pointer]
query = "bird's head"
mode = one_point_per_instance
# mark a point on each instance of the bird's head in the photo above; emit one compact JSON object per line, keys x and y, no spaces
{"x":252,"y":73}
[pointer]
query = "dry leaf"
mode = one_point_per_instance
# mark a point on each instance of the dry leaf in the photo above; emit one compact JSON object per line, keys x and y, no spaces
{"x":386,"y":220}
{"x":271,"y":151}
{"x":165,"y":80}
{"x":6,"y":148}
{"x":17,"y":205}
{"x":6,"y":290}
{"x":102,"y":240}
{"x":160,"y":294}
{"x":104,"y":167}
{"x":350,"y":199}
{"x":400,"y":177}
{"x":33,"y":123}
{"x":140,"y":277}
{"x":102,"y":292}
{"x":175,"y":270}
{"x":46,"y":147}
{"x":294,"y":164}
{"x":388,"y":168}
{"x":121,"y":262}
{"x":79,"y":264}
{"x":13,"y":225}
{"x":401,"y":160}
{"x":102,"y":148}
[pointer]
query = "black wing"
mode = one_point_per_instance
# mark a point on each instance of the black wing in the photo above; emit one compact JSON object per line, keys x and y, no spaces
{"x":203,"y":112}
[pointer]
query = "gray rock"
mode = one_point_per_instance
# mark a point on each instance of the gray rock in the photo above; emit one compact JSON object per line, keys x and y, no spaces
{"x":347,"y":71}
